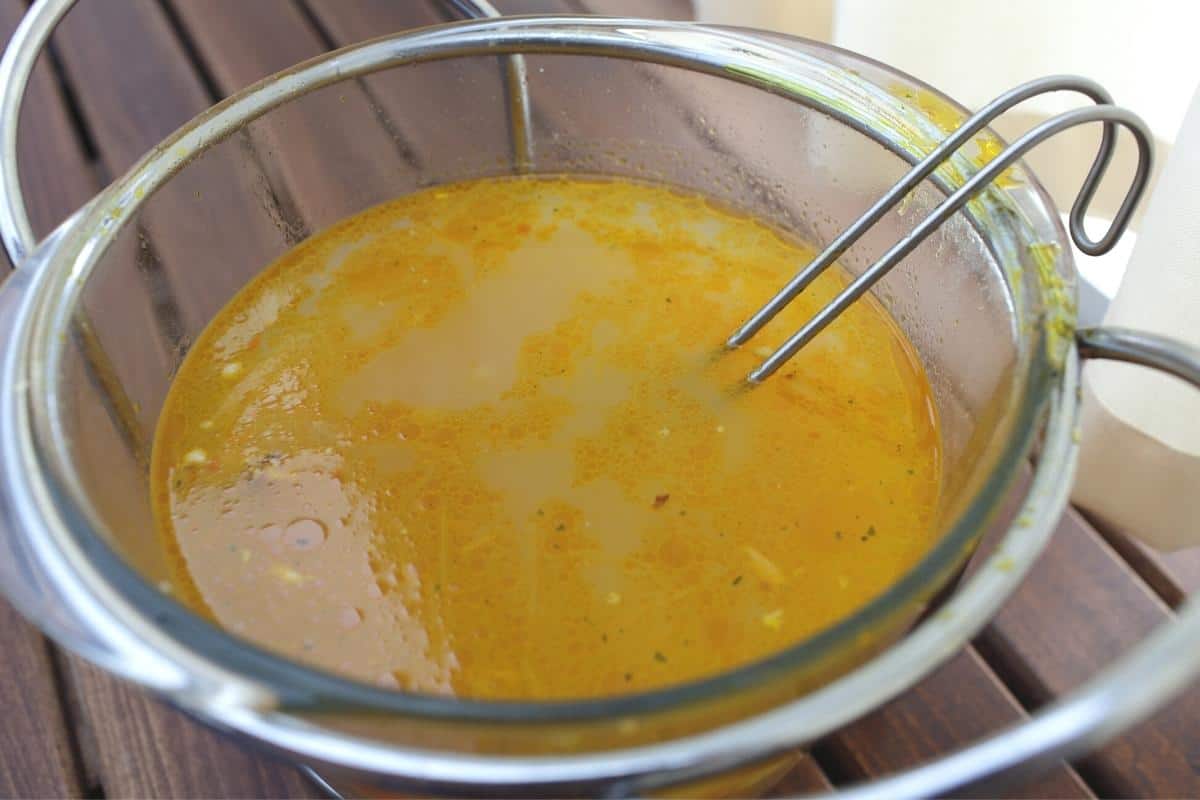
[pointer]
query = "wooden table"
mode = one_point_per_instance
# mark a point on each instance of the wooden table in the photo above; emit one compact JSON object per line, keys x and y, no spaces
{"x":124,"y":73}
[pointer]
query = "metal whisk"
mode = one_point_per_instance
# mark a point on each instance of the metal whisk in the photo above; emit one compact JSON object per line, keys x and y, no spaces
{"x":1112,"y":116}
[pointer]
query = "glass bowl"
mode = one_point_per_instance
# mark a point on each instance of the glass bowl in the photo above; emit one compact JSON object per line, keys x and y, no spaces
{"x":803,"y":135}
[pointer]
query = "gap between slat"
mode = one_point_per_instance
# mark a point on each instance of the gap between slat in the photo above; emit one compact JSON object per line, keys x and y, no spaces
{"x":80,"y":736}
{"x":406,"y":149}
{"x":87,"y":145}
{"x":206,"y":78}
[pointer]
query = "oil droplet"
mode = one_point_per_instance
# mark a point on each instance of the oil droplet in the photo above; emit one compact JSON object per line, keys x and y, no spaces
{"x":349,"y":617}
{"x":304,"y":534}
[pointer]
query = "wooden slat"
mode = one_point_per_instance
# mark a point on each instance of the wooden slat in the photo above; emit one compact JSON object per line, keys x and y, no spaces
{"x":1080,"y":607}
{"x":959,"y":703}
{"x":141,"y":748}
{"x":464,"y":98}
{"x":38,"y":755}
{"x":329,"y":152}
{"x":135,"y":86}
{"x":36,"y":758}
{"x":149,"y":750}
{"x":57,"y":179}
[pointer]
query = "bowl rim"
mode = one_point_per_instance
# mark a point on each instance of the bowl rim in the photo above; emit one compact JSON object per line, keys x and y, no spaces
{"x":299,"y":687}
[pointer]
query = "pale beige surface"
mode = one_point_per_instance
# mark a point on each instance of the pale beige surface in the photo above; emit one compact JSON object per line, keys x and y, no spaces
{"x":1140,"y":455}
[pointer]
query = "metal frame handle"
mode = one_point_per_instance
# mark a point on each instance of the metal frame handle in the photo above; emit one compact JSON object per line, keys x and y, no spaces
{"x":15,"y":68}
{"x":31,"y":35}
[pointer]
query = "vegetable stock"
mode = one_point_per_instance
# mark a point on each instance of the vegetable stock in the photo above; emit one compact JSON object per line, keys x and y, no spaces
{"x":482,"y":441}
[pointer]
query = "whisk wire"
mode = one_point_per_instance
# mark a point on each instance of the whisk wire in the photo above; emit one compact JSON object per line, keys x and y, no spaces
{"x":1111,"y":116}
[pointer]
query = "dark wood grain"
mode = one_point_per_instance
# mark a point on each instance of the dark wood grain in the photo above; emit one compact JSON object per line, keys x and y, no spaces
{"x":135,"y":86}
{"x":38,"y":755}
{"x":1080,"y":607}
{"x":58,"y":178}
{"x":36,"y":751}
{"x":438,"y":111}
{"x":329,"y":153}
{"x":959,"y":703}
{"x":149,"y":750}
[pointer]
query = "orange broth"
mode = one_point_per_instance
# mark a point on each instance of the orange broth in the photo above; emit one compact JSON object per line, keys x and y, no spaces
{"x":480,"y":441}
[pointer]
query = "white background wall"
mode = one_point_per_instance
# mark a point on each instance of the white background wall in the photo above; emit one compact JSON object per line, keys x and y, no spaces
{"x":1146,"y":53}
